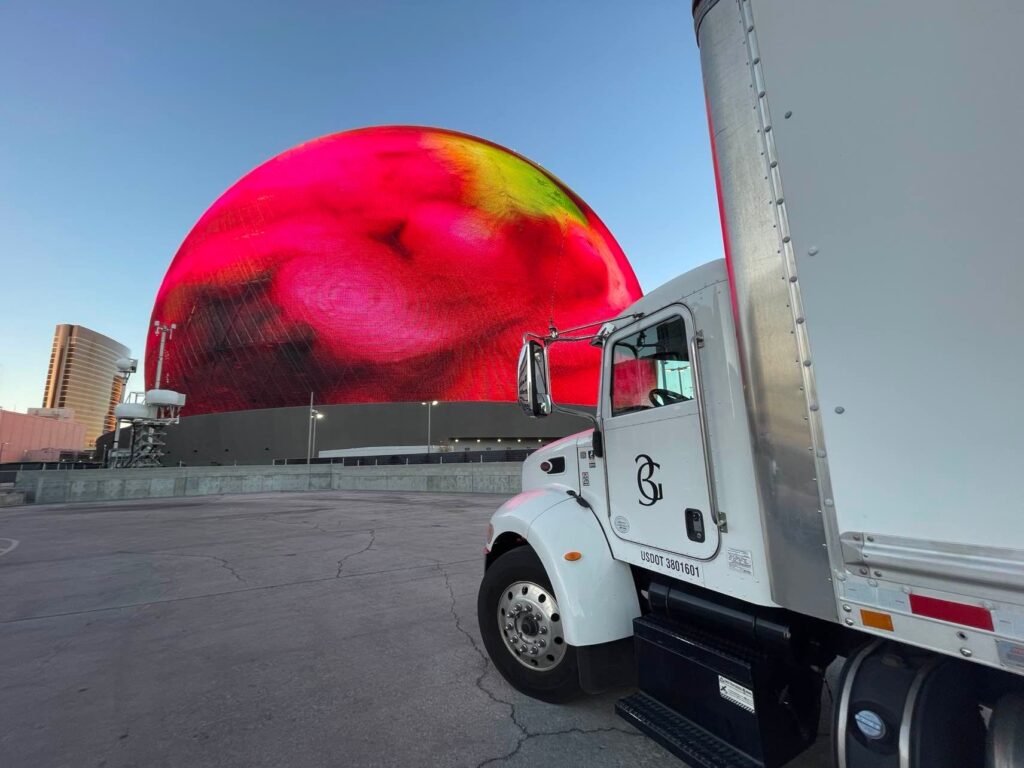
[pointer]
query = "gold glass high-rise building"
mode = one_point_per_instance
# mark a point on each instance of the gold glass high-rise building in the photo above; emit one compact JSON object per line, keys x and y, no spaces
{"x":83,"y":376}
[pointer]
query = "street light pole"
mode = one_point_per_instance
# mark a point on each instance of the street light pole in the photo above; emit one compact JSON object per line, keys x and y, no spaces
{"x":317,"y":415}
{"x":309,"y":431}
{"x":430,"y":407}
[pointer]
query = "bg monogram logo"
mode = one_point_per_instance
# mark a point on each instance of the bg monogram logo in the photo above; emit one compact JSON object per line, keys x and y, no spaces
{"x":650,"y":491}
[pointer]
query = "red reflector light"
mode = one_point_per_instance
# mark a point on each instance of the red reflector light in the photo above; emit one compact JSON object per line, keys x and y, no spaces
{"x":955,"y":613}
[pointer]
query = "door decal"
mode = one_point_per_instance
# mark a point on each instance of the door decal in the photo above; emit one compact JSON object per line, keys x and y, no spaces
{"x":650,"y":491}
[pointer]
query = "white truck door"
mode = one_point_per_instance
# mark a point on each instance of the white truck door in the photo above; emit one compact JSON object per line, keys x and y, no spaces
{"x":654,"y":446}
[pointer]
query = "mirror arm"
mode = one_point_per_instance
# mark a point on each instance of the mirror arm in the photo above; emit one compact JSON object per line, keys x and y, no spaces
{"x":598,"y":437}
{"x":575,"y":412}
{"x":554,"y":334}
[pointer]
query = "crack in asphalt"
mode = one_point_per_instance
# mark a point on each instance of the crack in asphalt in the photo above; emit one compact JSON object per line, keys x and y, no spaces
{"x":530,"y":736}
{"x":401,"y":523}
{"x":303,"y":524}
{"x":222,"y":562}
{"x":369,"y":545}
{"x":525,"y":735}
{"x":484,"y":665}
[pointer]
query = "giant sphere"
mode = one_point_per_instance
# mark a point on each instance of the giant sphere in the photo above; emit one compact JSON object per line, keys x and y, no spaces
{"x":384,"y":265}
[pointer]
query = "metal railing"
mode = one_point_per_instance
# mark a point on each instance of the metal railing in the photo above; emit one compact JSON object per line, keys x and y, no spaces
{"x":410,"y":459}
{"x":9,"y":470}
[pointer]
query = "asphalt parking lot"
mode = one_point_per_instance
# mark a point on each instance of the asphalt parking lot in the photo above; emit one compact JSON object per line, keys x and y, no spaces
{"x":306,"y":629}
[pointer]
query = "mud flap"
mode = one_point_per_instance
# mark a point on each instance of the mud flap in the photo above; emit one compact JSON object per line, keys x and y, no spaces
{"x":607,"y":665}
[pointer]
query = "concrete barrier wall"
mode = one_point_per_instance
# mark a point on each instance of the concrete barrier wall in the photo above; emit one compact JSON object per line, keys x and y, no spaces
{"x":11,"y":498}
{"x":54,"y":487}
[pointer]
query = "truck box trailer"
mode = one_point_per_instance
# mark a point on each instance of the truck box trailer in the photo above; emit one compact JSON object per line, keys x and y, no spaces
{"x":813,"y":447}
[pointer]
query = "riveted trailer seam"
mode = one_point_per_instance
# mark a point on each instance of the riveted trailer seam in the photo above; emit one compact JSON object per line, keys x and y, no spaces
{"x":786,"y":249}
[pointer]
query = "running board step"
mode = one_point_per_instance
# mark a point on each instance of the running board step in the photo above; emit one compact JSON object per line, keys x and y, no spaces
{"x":683,"y":738}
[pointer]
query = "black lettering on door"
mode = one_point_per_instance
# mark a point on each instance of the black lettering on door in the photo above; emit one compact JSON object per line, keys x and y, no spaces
{"x":650,"y":491}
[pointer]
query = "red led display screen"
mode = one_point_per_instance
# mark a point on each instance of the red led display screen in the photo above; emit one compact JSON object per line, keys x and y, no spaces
{"x":384,"y":265}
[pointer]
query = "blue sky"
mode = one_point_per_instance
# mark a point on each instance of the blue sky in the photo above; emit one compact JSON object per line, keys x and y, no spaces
{"x":121,"y":122}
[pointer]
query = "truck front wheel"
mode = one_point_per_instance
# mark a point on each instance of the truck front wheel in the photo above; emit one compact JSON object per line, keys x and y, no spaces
{"x":522,"y":628}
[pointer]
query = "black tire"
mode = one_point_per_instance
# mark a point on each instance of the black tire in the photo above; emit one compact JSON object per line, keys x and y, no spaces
{"x":1005,"y":744}
{"x":560,"y":683}
{"x":897,"y":688}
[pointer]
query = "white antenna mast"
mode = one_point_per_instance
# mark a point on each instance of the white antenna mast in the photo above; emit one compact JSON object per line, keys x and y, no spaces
{"x":164,"y":332}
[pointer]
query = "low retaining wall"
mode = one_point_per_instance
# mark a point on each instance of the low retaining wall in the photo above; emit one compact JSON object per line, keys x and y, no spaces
{"x":10,"y":498}
{"x":54,"y":487}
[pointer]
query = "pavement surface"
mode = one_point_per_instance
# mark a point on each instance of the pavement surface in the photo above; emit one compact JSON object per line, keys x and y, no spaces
{"x":289,"y":629}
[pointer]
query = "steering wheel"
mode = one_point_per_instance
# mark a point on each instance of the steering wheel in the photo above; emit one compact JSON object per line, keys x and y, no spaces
{"x":665,"y":396}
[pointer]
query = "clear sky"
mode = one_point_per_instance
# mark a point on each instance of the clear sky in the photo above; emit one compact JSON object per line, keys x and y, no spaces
{"x":121,"y":122}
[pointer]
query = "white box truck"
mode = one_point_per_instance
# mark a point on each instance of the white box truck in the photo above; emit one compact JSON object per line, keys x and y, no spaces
{"x":814,"y":447}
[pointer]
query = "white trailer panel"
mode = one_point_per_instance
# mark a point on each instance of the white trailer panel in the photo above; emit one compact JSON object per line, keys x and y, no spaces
{"x":902,"y":166}
{"x":869,"y":198}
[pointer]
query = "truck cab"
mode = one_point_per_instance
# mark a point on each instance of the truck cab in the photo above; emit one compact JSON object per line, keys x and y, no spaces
{"x":672,"y":468}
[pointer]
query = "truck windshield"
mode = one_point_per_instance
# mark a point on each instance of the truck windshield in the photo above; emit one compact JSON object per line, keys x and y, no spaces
{"x":651,"y":368}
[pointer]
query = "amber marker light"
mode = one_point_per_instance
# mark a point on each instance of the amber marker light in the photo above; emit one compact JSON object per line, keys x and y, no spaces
{"x":876,"y":620}
{"x":572,"y":556}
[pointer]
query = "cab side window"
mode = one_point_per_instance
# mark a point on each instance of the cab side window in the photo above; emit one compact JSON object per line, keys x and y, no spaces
{"x":651,"y":368}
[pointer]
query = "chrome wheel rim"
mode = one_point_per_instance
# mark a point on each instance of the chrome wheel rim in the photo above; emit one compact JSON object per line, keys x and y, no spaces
{"x":531,"y":626}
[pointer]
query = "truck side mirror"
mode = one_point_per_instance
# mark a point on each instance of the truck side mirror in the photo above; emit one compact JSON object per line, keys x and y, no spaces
{"x":534,"y":382}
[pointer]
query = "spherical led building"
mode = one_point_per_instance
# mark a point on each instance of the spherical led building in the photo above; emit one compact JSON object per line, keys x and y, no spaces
{"x":385,"y":265}
{"x":381,"y":265}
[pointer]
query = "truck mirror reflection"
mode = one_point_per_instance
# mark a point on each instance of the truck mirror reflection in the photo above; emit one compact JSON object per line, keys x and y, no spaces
{"x":534,"y":381}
